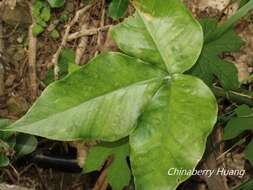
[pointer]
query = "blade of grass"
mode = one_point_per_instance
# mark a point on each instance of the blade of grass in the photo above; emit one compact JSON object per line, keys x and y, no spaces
{"x":231,"y":21}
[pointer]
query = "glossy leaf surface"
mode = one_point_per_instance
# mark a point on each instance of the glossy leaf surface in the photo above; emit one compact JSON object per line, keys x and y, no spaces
{"x":161,"y":32}
{"x":100,"y":101}
{"x":181,"y":114}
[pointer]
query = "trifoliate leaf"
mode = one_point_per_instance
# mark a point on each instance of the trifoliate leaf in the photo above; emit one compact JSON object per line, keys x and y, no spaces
{"x":118,"y":8}
{"x":210,"y":65}
{"x":118,"y":172}
{"x":243,"y":121}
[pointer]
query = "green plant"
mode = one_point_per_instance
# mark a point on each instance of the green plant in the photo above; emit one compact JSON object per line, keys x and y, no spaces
{"x":141,"y":94}
{"x":41,"y":11}
{"x":118,"y":8}
{"x":218,"y":39}
{"x":210,"y":65}
{"x":66,"y":64}
{"x":56,"y":3}
{"x":13,"y":145}
{"x":241,"y":120}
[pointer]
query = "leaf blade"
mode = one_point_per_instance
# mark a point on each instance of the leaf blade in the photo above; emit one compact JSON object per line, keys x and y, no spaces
{"x":101,"y":101}
{"x":119,"y":151}
{"x":210,"y":64}
{"x":164,"y":34}
{"x":163,"y":132}
{"x":118,"y":8}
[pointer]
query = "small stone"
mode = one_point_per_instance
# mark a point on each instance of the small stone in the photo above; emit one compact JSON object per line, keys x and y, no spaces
{"x":20,"y":39}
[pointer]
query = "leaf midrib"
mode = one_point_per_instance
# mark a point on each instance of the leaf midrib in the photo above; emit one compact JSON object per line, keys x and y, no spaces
{"x":93,"y":99}
{"x":153,"y":40}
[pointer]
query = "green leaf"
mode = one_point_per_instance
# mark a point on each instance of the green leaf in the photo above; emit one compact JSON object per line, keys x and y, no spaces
{"x":56,"y":3}
{"x":73,"y":67}
{"x":4,"y":161}
{"x":247,"y":185}
{"x":6,"y":136}
{"x":181,"y":114}
{"x":163,"y":33}
{"x":55,"y":34}
{"x":102,"y":101}
{"x":243,"y":2}
{"x":210,"y":65}
{"x":25,"y":144}
{"x":66,"y":62}
{"x":45,"y":13}
{"x":6,"y":143}
{"x":4,"y":122}
{"x":37,"y":29}
{"x":242,"y":122}
{"x":118,"y":8}
{"x":118,"y":172}
{"x":68,"y":57}
{"x":36,"y":8}
{"x":228,"y":24}
{"x":41,"y":22}
{"x":249,"y":152}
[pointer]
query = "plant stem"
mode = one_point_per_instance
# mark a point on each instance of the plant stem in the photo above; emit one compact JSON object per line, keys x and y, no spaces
{"x":233,"y":96}
{"x":245,"y":186}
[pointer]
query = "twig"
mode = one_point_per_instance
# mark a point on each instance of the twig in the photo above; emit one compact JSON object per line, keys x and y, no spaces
{"x":32,"y":50}
{"x":82,"y":43}
{"x":2,"y":85}
{"x":102,"y":182}
{"x":233,"y":96}
{"x":25,"y":169}
{"x":89,"y":32}
{"x":102,"y":23}
{"x":55,"y":58}
{"x":1,"y":34}
{"x":40,"y":177}
{"x":17,"y":175}
{"x":10,"y":176}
